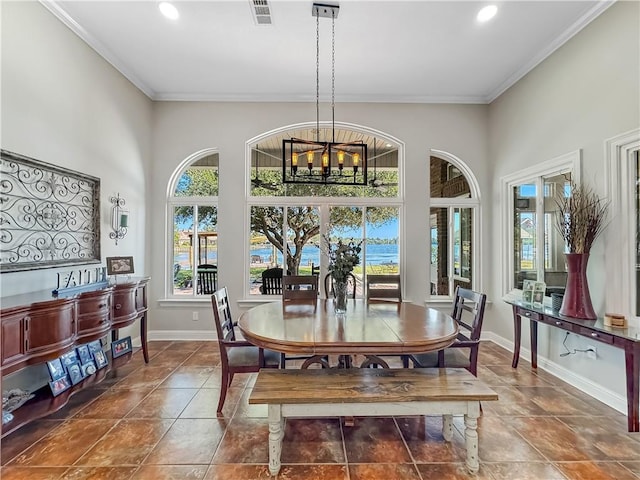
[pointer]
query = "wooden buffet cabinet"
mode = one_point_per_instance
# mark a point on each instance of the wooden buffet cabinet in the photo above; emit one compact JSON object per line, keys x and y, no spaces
{"x":36,"y":328}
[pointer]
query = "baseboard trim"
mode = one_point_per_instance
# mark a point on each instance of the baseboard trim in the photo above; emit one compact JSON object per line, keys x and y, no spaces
{"x":597,"y":391}
{"x":191,"y":335}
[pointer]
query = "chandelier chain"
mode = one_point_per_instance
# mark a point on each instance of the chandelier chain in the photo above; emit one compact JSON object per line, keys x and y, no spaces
{"x":317,"y":78}
{"x":333,"y":76}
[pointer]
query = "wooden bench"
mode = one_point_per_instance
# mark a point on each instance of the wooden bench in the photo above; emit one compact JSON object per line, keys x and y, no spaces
{"x":371,"y":392}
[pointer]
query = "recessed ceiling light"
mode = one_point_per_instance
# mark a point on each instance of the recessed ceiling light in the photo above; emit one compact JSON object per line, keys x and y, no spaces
{"x":487,"y":13}
{"x":168,"y":10}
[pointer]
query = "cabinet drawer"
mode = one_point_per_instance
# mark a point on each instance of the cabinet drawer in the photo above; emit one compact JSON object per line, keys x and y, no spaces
{"x":554,"y":322}
{"x":523,"y":312}
{"x":123,"y":305}
{"x":94,"y":303}
{"x":601,"y":337}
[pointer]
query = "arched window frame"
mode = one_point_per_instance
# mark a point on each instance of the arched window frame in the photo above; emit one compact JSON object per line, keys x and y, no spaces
{"x":174,"y":201}
{"x":474,"y":203}
{"x":323,"y":203}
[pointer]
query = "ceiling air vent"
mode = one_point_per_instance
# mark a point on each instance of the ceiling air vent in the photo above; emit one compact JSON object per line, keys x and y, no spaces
{"x":261,"y":11}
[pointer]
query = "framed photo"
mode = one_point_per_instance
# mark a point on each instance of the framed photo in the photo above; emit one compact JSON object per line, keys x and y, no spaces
{"x":95,"y":346}
{"x":59,"y":385}
{"x":527,"y":296}
{"x":88,"y":368}
{"x":56,"y":370}
{"x":75,"y":373}
{"x":119,"y":265}
{"x":101,"y":359}
{"x":528,"y":285}
{"x":539,"y":290}
{"x":120,"y":347}
{"x":69,"y":358}
{"x":84,"y":354}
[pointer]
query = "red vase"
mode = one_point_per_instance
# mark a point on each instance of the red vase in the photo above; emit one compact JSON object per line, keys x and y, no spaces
{"x":577,"y":301}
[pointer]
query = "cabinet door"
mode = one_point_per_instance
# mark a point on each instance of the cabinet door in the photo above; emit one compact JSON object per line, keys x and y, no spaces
{"x":13,"y":338}
{"x":50,"y":326}
{"x":124,"y":305}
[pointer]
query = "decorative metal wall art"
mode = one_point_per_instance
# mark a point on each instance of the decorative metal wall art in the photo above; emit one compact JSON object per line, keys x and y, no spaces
{"x":49,"y":216}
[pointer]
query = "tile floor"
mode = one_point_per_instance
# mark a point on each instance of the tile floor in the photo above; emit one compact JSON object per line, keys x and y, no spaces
{"x":158,"y":421}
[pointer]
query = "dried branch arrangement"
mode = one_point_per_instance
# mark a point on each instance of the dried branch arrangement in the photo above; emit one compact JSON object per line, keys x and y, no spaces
{"x":581,"y":217}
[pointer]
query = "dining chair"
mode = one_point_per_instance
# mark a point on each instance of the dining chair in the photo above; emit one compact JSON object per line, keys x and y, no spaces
{"x":468,"y":311}
{"x":299,"y":287}
{"x":237,"y":356}
{"x":272,"y":281}
{"x":351,"y":286}
{"x":207,"y":279}
{"x":384,"y":288}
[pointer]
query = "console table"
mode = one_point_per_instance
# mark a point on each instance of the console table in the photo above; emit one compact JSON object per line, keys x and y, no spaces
{"x":627,"y":339}
{"x":37,"y":327}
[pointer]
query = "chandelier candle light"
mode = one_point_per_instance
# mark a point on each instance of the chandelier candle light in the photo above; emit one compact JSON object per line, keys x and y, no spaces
{"x":328,"y":162}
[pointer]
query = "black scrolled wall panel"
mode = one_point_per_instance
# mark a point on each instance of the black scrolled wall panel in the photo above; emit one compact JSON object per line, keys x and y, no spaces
{"x":49,"y":216}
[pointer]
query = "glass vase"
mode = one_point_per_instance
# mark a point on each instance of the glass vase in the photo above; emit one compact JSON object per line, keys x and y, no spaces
{"x":340,"y":296}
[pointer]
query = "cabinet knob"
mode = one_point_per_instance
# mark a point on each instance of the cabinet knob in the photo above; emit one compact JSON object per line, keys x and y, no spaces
{"x":528,"y":314}
{"x":558,"y":323}
{"x":118,"y":306}
{"x":102,"y":305}
{"x":594,"y":334}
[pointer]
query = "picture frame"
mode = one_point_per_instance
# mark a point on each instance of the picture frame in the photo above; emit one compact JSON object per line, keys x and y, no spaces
{"x":83,"y":353}
{"x":69,"y":358}
{"x":59,"y":385}
{"x":56,"y":370}
{"x":95,"y":346}
{"x":101,"y":359}
{"x":119,"y":265}
{"x":120,"y":347}
{"x":88,"y":368}
{"x":75,"y":373}
{"x":539,"y":290}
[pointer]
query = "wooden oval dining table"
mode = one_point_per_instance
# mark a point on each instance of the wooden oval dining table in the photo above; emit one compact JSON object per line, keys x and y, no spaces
{"x":312,"y":327}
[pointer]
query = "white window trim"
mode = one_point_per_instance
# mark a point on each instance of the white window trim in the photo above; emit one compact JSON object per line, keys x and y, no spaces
{"x":620,"y":234}
{"x":475,"y":204}
{"x":172,"y":202}
{"x":571,"y":161}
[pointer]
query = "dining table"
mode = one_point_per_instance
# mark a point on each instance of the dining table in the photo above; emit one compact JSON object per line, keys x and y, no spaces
{"x":313,"y":327}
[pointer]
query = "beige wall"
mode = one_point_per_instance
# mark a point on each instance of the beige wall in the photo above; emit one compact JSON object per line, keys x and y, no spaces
{"x":182,"y":128}
{"x":64,"y":104}
{"x":586,"y":92}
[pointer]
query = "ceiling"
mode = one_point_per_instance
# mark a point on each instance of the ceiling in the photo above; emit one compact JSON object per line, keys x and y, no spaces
{"x":385,"y":51}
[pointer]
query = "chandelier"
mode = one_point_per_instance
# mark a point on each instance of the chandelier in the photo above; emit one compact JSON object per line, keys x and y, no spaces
{"x":324,"y":162}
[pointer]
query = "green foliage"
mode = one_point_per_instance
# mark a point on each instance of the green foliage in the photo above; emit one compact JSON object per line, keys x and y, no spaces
{"x":184,"y":279}
{"x":343,"y":256}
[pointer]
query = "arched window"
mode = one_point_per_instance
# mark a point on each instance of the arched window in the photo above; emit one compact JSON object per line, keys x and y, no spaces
{"x":287,"y":220}
{"x":453,"y":219}
{"x":193,"y":216}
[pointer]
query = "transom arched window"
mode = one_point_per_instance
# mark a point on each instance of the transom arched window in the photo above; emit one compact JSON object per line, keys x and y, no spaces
{"x":286,"y":221}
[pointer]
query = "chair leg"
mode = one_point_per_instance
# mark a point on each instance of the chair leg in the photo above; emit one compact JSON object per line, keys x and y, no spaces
{"x":283,"y":361}
{"x":226,"y":381}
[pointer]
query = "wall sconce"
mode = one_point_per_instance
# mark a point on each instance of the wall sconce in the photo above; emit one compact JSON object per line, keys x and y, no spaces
{"x":119,"y":218}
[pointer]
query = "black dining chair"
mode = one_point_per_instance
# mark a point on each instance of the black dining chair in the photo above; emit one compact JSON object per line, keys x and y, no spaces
{"x":468,"y":311}
{"x":272,"y":281}
{"x":207,"y":279}
{"x":299,"y":287}
{"x":236,"y":356}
